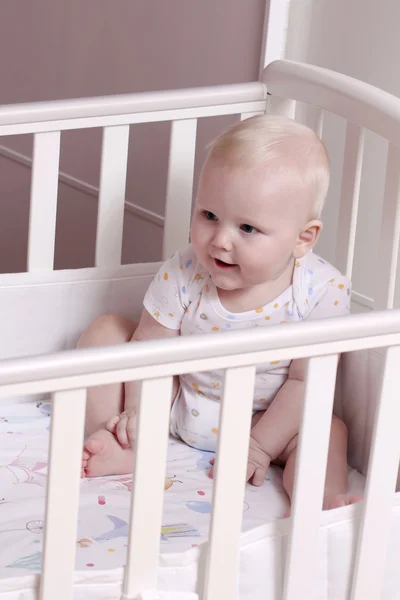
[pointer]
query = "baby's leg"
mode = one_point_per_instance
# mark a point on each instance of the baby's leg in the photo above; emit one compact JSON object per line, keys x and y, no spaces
{"x":105,"y":401}
{"x":336,"y":481}
{"x":102,"y":454}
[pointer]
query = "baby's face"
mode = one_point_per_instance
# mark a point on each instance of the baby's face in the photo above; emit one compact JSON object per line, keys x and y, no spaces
{"x":246,"y":225}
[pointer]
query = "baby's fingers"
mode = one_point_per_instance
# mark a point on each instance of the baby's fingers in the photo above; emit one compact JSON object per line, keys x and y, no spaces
{"x":111,"y":424}
{"x":131,"y":430}
{"x":122,"y":433}
{"x":259,"y":476}
{"x":250,"y":471}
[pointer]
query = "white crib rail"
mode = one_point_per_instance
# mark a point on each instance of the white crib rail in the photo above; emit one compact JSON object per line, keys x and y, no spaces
{"x":132,"y":108}
{"x":237,"y":352}
{"x":355,"y":100}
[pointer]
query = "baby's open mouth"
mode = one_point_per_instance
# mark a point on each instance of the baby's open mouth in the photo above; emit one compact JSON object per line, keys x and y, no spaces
{"x":223,"y":265}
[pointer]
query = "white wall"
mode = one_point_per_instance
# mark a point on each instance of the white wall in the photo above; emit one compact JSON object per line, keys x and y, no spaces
{"x":359,"y":38}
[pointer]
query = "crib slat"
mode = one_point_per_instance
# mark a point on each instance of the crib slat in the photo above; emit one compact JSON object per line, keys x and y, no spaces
{"x":349,"y":200}
{"x":63,"y":485}
{"x":110,"y":219}
{"x":311,"y":116}
{"x":178,"y":208}
{"x":248,"y":115}
{"x":380,"y":486}
{"x":43,"y":206}
{"x":319,"y":121}
{"x":148,"y":487}
{"x":226,"y":520}
{"x":283,"y":107}
{"x":389,"y":235}
{"x":310,"y":477}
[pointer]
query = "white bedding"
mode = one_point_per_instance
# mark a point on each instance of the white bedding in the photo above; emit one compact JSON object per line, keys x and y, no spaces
{"x":103,"y":515}
{"x":104,"y":505}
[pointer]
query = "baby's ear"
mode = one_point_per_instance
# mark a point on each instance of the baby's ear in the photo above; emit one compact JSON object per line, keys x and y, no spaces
{"x":307,"y":239}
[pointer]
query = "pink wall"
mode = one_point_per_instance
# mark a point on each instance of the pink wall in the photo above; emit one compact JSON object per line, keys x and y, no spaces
{"x":68,"y":49}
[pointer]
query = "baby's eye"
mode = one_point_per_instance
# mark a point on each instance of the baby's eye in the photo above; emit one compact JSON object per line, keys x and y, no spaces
{"x":247,"y":228}
{"x":210,"y":215}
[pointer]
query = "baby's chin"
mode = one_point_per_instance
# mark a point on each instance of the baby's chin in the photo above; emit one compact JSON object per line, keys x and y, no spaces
{"x":226,"y":286}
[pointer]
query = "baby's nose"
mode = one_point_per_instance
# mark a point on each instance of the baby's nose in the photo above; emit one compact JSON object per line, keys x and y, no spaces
{"x":222,"y":239}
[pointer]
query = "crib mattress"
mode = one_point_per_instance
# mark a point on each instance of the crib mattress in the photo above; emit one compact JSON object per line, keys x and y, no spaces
{"x":104,"y":508}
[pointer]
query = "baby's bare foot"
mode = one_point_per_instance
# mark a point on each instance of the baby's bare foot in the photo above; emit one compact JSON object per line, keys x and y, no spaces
{"x":337,"y":500}
{"x":103,"y":455}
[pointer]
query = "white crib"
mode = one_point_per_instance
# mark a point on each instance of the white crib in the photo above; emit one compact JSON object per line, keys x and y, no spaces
{"x":348,"y":553}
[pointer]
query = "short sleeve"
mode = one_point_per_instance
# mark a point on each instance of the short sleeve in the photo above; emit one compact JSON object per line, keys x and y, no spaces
{"x":334,"y":299}
{"x":167,"y":297}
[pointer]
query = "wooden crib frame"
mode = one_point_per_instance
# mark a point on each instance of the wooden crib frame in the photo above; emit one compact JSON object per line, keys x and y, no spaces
{"x":67,"y":375}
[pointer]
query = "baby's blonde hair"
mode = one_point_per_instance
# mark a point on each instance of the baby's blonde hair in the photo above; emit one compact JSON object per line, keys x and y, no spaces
{"x":257,"y":140}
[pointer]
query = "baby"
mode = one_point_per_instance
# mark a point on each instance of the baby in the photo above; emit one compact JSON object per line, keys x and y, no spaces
{"x":249,"y":264}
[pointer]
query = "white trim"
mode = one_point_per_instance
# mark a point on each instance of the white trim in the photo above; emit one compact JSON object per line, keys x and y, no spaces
{"x":83,"y":186}
{"x":363,"y":300}
{"x":71,"y":276}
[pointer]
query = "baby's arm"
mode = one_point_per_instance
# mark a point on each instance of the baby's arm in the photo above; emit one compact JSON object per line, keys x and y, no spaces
{"x":278,"y":425}
{"x":124,"y":425}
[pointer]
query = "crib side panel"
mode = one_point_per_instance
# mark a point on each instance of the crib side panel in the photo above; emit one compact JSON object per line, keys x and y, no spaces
{"x":238,"y":353}
{"x":115,"y":116}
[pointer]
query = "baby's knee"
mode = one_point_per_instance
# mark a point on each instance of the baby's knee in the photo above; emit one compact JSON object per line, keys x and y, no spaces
{"x":107,"y":330}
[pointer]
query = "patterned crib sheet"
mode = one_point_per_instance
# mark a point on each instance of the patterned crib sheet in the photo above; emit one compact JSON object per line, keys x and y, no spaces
{"x":102,"y":527}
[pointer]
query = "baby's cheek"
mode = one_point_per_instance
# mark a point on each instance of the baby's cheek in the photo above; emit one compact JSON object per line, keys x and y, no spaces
{"x":198,"y":238}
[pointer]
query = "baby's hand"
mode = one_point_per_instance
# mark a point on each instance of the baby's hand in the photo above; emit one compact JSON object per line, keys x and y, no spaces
{"x":257,"y":464}
{"x":123,"y":426}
